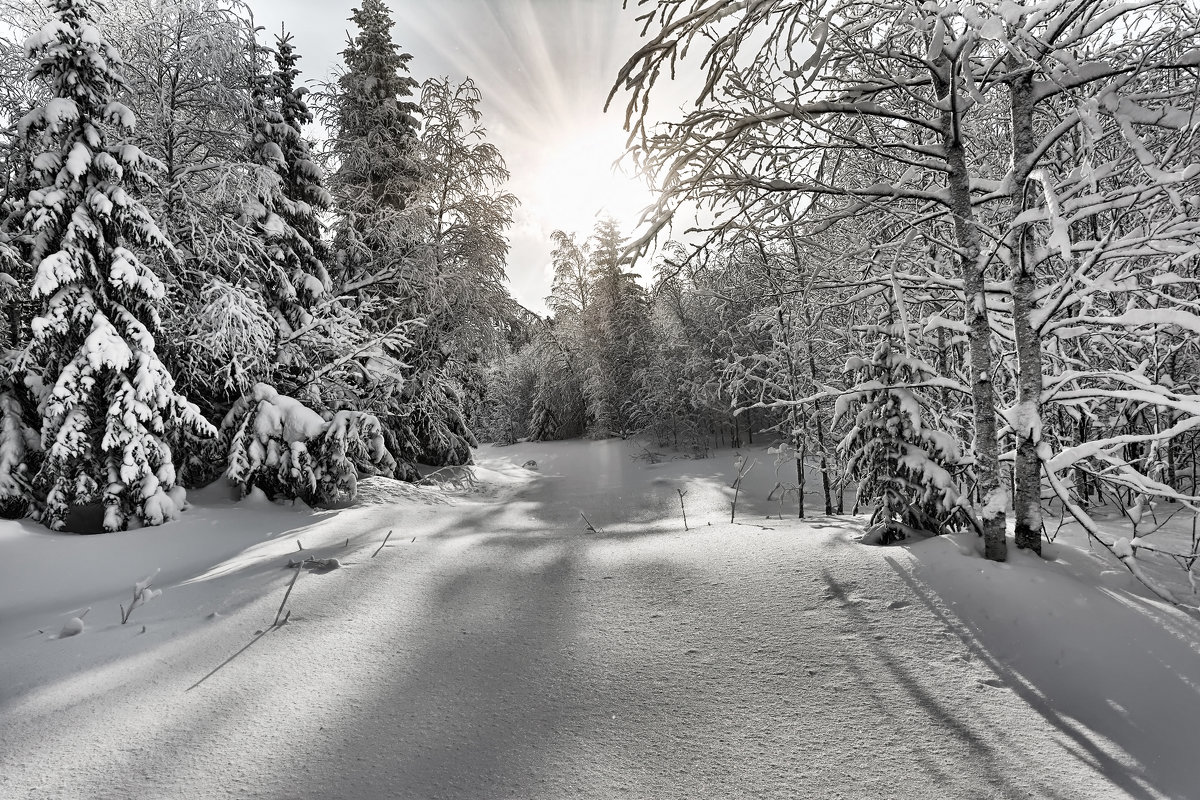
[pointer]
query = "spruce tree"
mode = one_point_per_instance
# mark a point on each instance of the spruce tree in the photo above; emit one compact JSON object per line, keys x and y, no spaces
{"x":384,"y":262}
{"x":284,"y":205}
{"x":376,"y":130}
{"x":906,"y":467}
{"x":302,"y":185}
{"x":109,"y":403}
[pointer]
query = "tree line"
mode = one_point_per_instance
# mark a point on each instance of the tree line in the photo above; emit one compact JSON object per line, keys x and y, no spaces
{"x":946,"y":252}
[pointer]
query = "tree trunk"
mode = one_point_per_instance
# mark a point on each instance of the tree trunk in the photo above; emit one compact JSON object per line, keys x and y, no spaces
{"x":1027,"y":472}
{"x":812,"y":368}
{"x":800,"y":482}
{"x":979,"y":336}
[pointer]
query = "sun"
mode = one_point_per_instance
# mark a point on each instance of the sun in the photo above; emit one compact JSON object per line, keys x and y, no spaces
{"x":578,"y":183}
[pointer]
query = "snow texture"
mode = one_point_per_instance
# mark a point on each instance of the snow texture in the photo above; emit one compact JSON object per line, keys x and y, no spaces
{"x":503,"y":653}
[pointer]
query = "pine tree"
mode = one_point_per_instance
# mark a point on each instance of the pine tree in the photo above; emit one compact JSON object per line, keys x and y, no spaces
{"x":375,"y":140}
{"x":109,"y":404}
{"x":306,"y":197}
{"x":903,"y":464}
{"x":283,"y":209}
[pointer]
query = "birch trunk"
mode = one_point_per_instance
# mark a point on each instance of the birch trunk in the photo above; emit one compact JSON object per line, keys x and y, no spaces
{"x":973,"y":270}
{"x":1027,"y":473}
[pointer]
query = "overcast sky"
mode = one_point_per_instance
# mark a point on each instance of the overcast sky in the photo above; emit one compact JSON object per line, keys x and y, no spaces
{"x":544,"y":68}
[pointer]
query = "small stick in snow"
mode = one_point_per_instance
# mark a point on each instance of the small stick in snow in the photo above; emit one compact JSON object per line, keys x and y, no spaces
{"x":682,"y":508}
{"x":286,"y":595}
{"x":298,"y":547}
{"x":414,"y":539}
{"x":590,"y":527}
{"x":389,"y":535}
{"x":743,"y":468}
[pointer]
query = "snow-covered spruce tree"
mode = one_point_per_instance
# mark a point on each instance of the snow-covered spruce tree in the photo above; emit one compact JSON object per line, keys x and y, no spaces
{"x":109,"y":404}
{"x":20,"y":447}
{"x":374,"y":142}
{"x":303,"y":198}
{"x":282,"y":209}
{"x":288,"y":451}
{"x":902,"y":463}
{"x":382,"y":262}
{"x":19,"y":443}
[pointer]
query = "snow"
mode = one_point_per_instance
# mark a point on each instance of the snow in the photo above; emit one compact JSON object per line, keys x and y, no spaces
{"x":492,"y":649}
{"x":78,"y":161}
{"x":1122,"y":548}
{"x":55,"y":270}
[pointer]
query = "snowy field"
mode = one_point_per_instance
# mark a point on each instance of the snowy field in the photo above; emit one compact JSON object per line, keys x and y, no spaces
{"x":494,"y":648}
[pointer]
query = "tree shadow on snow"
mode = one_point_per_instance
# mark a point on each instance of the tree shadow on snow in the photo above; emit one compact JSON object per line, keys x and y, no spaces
{"x":1084,"y":658}
{"x":994,"y":764}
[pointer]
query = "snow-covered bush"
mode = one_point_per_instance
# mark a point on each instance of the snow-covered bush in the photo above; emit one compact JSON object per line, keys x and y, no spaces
{"x":352,"y":444}
{"x":905,"y":467}
{"x":287,"y":450}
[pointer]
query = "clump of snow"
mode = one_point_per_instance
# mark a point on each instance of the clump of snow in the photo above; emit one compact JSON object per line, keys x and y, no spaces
{"x":72,"y":627}
{"x":1122,"y":548}
{"x":995,"y":503}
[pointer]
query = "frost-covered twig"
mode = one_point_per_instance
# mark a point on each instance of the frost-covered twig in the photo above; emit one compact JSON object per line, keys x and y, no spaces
{"x":458,"y":476}
{"x":142,"y":594}
{"x":682,"y":508}
{"x":744,"y":467}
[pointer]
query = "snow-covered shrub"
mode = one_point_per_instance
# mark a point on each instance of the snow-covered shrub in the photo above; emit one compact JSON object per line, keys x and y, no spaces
{"x":905,"y":467}
{"x":287,"y":450}
{"x":352,"y":445}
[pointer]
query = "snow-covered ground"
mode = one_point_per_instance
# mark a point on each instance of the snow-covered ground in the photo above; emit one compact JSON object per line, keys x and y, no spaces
{"x":494,"y":648}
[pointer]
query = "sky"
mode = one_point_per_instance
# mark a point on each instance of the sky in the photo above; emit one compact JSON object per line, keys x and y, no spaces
{"x":544,"y":68}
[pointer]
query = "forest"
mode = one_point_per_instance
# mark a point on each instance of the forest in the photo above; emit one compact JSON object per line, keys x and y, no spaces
{"x":941,"y":256}
{"x":861,"y":462}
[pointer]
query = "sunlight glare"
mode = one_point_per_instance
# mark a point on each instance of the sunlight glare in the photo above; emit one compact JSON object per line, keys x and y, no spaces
{"x":578,"y":183}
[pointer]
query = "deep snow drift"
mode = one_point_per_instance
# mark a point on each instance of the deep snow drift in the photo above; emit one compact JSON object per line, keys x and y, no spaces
{"x":494,"y":648}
